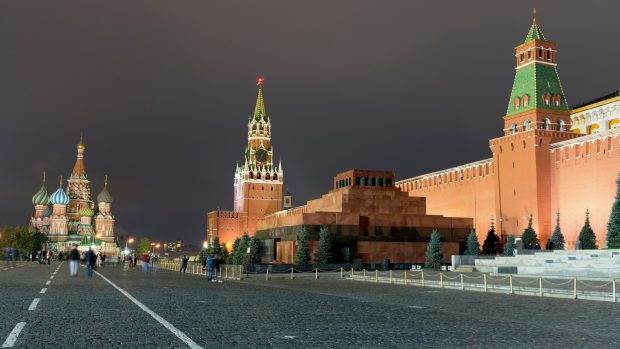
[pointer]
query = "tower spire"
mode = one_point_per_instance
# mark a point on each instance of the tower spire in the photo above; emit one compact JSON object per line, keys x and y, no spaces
{"x":79,"y":170}
{"x":43,"y":181}
{"x":259,"y":110}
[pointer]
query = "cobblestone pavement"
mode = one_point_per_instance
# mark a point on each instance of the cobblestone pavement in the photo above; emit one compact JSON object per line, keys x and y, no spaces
{"x":304,"y":313}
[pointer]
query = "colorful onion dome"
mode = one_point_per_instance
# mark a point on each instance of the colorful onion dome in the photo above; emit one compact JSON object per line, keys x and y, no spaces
{"x":48,"y":211}
{"x":86,"y":211}
{"x":41,"y":197}
{"x":104,"y":195}
{"x":59,"y":197}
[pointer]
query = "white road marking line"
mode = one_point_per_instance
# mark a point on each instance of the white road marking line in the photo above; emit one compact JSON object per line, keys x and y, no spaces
{"x":10,"y":340}
{"x":51,"y":277}
{"x":43,"y":290}
{"x":416,"y":307}
{"x":182,"y":336}
{"x":6,"y":268}
{"x":34,"y":303}
{"x":290,"y":337}
{"x":48,"y":282}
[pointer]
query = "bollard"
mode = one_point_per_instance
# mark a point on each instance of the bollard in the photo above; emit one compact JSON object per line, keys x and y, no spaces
{"x":462,"y":284}
{"x":540,"y":286}
{"x":240,"y":272}
{"x":484,"y":276}
{"x":267,"y":275}
{"x":341,"y":273}
{"x":351,"y":272}
{"x":390,"y":276}
{"x":510,"y":278}
{"x":292,"y":277}
{"x":376,"y":275}
{"x":574,"y":288}
{"x":364,"y":273}
{"x":440,"y":279}
{"x":226,"y":267}
{"x":613,"y":290}
{"x":422,"y":278}
{"x":405,"y":278}
{"x":316,"y":275}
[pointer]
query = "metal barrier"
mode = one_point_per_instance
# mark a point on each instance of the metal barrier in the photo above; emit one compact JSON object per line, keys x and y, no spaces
{"x":601,"y":290}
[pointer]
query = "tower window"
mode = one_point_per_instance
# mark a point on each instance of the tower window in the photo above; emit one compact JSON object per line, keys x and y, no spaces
{"x":517,"y":102}
{"x":546,"y":123}
{"x":513,"y":129}
{"x":529,"y":54}
{"x":527,"y":125}
{"x":557,"y":100}
{"x":521,"y":57}
{"x":526,"y":100}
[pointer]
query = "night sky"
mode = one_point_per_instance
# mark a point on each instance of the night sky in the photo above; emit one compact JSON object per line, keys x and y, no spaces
{"x":163,"y":89}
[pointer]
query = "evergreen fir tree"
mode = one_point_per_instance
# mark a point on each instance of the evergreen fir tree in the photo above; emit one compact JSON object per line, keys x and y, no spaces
{"x":510,"y":247}
{"x":434,"y":256}
{"x":223,"y":257}
{"x":254,"y":245}
{"x":613,"y":226}
{"x":557,"y":238}
{"x":324,"y":253}
{"x":302,"y":256}
{"x":491,"y":245}
{"x":586,"y":236}
{"x":233,"y":257}
{"x":473,"y":247}
{"x":243,"y":256}
{"x":529,"y":237}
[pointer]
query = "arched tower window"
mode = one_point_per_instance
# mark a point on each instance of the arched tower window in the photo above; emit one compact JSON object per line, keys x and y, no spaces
{"x":527,"y":125}
{"x":525,"y":101}
{"x":547,"y":98}
{"x":513,"y":129}
{"x":557,"y":100}
{"x":560,"y":125}
{"x":547,"y":124}
{"x":517,"y":103}
{"x":251,"y":175}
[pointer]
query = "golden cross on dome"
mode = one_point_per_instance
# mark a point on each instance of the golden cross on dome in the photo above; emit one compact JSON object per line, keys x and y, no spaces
{"x":534,"y":15}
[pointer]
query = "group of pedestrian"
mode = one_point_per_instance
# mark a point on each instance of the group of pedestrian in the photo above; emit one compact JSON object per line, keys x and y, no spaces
{"x":211,"y":264}
{"x":90,"y":258}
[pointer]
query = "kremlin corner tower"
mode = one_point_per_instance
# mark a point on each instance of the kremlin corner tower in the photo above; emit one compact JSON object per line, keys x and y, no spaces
{"x":69,"y":216}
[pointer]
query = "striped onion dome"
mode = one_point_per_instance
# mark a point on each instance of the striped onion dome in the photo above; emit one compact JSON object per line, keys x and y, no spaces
{"x":48,"y":211}
{"x":41,"y":197}
{"x":104,"y":195}
{"x":86,"y":211}
{"x":59,"y":197}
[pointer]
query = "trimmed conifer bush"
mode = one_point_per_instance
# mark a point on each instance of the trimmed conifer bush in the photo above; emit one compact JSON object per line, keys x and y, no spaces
{"x":473,"y":247}
{"x":529,"y":237}
{"x":510,"y":247}
{"x":324,"y":253}
{"x":557,"y":238}
{"x":434,"y":256}
{"x":491,"y":245}
{"x":302,"y":256}
{"x":613,"y":226}
{"x":586,"y":235}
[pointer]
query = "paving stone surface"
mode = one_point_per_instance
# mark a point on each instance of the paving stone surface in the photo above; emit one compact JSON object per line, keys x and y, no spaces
{"x":304,"y":313}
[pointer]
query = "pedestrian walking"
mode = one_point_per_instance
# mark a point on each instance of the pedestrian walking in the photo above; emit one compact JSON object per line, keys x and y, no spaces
{"x":103,"y":256}
{"x":98,"y":260}
{"x":184,"y":264}
{"x":210,"y":267}
{"x":145,"y":263}
{"x":90,"y":259}
{"x":74,"y":257}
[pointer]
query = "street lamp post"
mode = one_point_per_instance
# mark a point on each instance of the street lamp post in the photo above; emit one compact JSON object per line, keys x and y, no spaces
{"x":128,"y":241}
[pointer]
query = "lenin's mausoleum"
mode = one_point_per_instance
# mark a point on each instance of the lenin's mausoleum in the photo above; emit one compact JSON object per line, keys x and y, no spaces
{"x":549,"y":159}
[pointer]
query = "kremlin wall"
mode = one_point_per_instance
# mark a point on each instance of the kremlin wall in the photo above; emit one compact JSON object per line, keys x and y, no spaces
{"x":549,"y":159}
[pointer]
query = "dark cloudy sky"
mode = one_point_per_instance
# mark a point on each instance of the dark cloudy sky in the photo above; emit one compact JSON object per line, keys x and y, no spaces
{"x":163,"y":90}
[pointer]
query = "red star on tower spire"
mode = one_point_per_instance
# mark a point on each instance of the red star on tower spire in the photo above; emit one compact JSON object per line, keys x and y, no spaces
{"x":259,"y":80}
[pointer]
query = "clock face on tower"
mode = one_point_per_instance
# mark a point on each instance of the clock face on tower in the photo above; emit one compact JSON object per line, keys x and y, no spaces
{"x":262,"y":155}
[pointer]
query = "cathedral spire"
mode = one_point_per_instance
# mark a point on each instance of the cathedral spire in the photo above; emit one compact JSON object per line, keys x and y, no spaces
{"x":79,"y":170}
{"x":259,"y":110}
{"x":535,"y":33}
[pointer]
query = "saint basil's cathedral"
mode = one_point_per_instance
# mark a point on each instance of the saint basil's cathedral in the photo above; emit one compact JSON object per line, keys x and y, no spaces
{"x":69,"y":216}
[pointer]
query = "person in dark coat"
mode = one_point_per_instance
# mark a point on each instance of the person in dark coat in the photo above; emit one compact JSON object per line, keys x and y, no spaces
{"x":90,"y":258}
{"x":184,"y":264}
{"x":210,"y":267}
{"x":74,"y":258}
